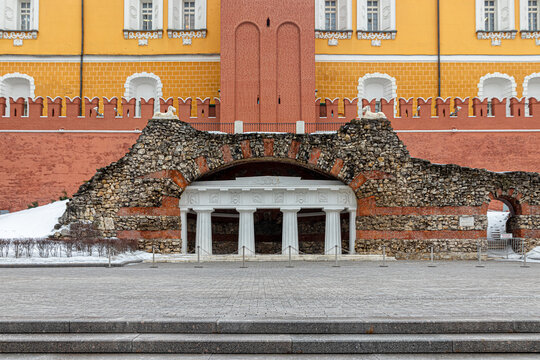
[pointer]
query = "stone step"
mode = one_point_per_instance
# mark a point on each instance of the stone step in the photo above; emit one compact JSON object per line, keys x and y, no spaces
{"x":276,"y":326}
{"x":269,"y":343}
{"x":461,"y":356}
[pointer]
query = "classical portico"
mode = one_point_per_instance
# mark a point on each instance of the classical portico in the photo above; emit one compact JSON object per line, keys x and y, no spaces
{"x":247,"y":194}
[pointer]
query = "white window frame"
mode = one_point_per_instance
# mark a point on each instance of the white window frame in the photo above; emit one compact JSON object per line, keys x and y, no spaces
{"x":504,"y":19}
{"x":10,"y":19}
{"x":511,"y":91}
{"x":176,"y":15}
{"x":130,"y":90}
{"x":133,"y":15}
{"x":147,"y":14}
{"x":343,"y":15}
{"x":3,"y":90}
{"x":387,"y":16}
{"x":362,"y":88}
{"x":524,"y":16}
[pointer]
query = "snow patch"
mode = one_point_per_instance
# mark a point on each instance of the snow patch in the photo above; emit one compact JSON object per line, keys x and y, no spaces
{"x":36,"y":223}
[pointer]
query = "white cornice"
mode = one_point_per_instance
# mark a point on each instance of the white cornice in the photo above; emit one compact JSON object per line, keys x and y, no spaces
{"x":426,"y":58}
{"x":112,"y":58}
{"x":318,"y":58}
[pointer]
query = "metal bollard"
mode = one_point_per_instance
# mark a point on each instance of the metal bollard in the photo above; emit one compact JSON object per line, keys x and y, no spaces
{"x":153,"y":257}
{"x":109,"y":250}
{"x":290,"y":263}
{"x":524,"y":264}
{"x":198,"y":257}
{"x":479,"y":247}
{"x":336,"y":257}
{"x":243,"y":257}
{"x":383,"y":257}
{"x":432,"y":262}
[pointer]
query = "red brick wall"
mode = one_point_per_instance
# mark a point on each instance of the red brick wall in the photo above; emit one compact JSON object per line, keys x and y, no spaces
{"x":39,"y":167}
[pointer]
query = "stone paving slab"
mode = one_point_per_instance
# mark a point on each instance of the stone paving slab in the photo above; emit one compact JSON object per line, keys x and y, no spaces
{"x":310,"y":290}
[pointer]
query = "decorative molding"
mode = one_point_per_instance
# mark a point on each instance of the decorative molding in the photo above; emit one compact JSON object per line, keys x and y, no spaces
{"x":334,"y":34}
{"x":497,"y":75}
{"x":17,"y":76}
{"x":376,"y":35}
{"x":496,"y":36}
{"x":386,"y":77}
{"x":22,"y":35}
{"x":183,"y":34}
{"x":143,"y":34}
{"x":533,"y":35}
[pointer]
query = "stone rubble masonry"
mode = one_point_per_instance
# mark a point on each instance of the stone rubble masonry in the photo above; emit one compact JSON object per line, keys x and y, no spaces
{"x":405,"y":203}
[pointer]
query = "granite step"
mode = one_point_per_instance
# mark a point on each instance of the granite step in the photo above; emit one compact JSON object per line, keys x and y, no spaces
{"x":155,"y":343}
{"x":276,"y":326}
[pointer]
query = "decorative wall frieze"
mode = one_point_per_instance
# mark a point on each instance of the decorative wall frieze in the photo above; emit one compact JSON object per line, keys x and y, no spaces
{"x":190,"y":34}
{"x":376,"y":35}
{"x":18,"y":36}
{"x":533,"y":35}
{"x":142,"y":36}
{"x":496,"y":36}
{"x":340,"y":35}
{"x":187,"y":35}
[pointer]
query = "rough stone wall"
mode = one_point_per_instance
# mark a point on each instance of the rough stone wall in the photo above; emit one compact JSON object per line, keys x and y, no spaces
{"x":406,"y":202}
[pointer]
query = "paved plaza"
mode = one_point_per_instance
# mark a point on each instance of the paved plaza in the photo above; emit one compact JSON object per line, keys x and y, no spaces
{"x":269,"y":290}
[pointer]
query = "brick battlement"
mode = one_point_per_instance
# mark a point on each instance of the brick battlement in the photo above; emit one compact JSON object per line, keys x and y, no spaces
{"x":406,"y":114}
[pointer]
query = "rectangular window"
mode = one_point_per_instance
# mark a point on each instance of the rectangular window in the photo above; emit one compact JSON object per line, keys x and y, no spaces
{"x":533,"y":15}
{"x":330,"y":10}
{"x":373,"y":15}
{"x":189,"y":14}
{"x":146,"y":14}
{"x":490,"y":13}
{"x":25,"y":12}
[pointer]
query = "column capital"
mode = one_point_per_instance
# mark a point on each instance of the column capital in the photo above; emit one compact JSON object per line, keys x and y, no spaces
{"x":184,"y":210}
{"x":333,"y":209}
{"x":246,"y":210}
{"x":292,"y":209}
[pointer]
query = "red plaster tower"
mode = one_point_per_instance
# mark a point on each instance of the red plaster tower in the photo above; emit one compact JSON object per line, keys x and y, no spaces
{"x":267,"y":61}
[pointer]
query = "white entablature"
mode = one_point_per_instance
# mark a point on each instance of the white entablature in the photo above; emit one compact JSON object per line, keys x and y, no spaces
{"x":268,"y":192}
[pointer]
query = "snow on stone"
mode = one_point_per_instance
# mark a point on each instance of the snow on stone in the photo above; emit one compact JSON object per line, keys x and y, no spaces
{"x":36,"y":223}
{"x":496,"y":223}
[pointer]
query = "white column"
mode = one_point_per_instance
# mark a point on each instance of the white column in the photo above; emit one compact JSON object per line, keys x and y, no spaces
{"x":352,"y":231}
{"x":290,"y":231}
{"x":246,"y":231}
{"x":332,"y":231}
{"x":203,"y":236}
{"x":183,"y":229}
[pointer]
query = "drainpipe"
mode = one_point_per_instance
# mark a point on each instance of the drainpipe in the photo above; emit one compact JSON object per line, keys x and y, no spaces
{"x":439,"y":48}
{"x":82,"y":59}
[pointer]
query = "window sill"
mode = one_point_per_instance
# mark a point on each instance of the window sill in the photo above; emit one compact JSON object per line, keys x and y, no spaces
{"x":376,"y":35}
{"x":143,"y":34}
{"x":186,"y":33}
{"x":333,"y":34}
{"x":496,"y":35}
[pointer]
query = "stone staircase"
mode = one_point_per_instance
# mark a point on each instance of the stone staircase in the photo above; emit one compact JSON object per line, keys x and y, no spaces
{"x":330,"y":337}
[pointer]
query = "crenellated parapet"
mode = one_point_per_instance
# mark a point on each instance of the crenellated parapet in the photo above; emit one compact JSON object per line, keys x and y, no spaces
{"x":205,"y":114}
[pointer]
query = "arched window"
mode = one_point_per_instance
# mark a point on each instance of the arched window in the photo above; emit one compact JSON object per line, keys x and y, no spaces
{"x":498,"y":86}
{"x":144,"y":86}
{"x":15,"y":86}
{"x":377,"y":86}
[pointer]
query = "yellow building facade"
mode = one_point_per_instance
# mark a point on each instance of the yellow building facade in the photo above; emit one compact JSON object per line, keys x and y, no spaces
{"x":364,"y":48}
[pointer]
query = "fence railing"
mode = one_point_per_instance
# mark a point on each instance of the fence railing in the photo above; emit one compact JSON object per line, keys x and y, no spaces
{"x":506,"y":248}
